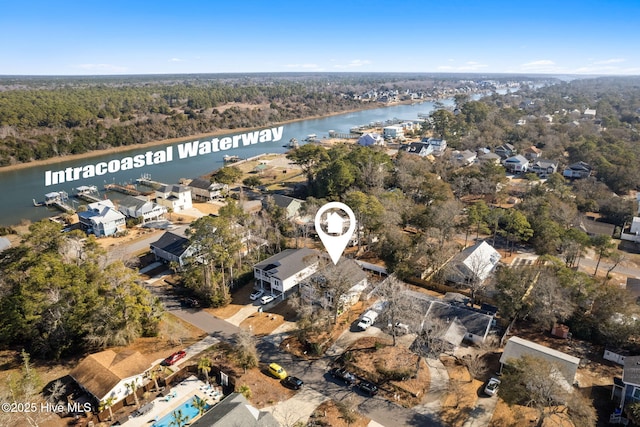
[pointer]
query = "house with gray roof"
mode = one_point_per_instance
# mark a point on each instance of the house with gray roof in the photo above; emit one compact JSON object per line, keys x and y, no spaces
{"x":102,"y":219}
{"x":577,"y":170}
{"x":468,"y":323}
{"x":140,"y":207}
{"x":282,"y":272}
{"x":172,"y":246}
{"x":543,"y":167}
{"x":289,"y":204}
{"x":421,"y":149}
{"x":473,"y":264}
{"x":516,"y":164}
{"x":233,"y":411}
{"x":174,"y":197}
{"x":205,"y":190}
{"x":517,"y":347}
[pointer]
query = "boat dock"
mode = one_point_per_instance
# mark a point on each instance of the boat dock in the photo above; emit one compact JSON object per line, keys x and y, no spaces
{"x":57,"y":199}
{"x":88,"y":193}
{"x":124,"y":189}
{"x":145,"y":179}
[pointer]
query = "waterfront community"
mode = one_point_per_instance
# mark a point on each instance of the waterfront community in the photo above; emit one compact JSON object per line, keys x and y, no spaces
{"x":490,"y":279}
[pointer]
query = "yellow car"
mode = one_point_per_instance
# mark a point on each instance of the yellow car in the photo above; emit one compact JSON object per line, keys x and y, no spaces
{"x":277,"y":371}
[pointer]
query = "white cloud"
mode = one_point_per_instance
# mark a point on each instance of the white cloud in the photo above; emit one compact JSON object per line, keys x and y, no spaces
{"x":109,"y":68}
{"x":175,"y":60}
{"x":539,"y":63}
{"x":541,"y":66}
{"x":353,"y":64}
{"x":610,"y":61}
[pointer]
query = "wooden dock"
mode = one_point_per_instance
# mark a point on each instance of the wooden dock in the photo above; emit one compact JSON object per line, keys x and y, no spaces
{"x":146,"y":180}
{"x":57,"y":199}
{"x":88,"y":193}
{"x":125,"y":189}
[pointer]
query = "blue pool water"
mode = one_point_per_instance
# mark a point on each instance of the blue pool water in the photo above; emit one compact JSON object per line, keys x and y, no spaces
{"x":189,"y":411}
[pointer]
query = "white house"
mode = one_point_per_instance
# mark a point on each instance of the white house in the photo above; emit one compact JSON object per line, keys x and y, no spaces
{"x":102,"y":219}
{"x":205,"y":190}
{"x":422,"y":149}
{"x":393,"y":132}
{"x":438,"y":145}
{"x":474,"y":263}
{"x":516,"y":164}
{"x":140,"y":207}
{"x":282,"y":272}
{"x":108,"y":374}
{"x":369,"y":139}
{"x":174,"y":197}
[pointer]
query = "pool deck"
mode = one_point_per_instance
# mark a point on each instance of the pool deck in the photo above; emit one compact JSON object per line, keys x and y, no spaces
{"x":184,"y":391}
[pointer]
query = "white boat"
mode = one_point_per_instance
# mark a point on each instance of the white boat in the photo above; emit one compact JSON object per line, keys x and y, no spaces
{"x":230,"y":159}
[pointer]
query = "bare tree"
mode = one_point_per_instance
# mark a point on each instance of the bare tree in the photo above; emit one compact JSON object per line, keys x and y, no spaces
{"x":246,"y":350}
{"x":401,"y":306}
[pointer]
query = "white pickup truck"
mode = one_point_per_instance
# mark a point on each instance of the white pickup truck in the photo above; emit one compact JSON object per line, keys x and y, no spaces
{"x":367,"y":319}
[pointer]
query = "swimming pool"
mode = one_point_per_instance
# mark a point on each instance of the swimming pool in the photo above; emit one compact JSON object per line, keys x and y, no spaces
{"x":188,"y":410}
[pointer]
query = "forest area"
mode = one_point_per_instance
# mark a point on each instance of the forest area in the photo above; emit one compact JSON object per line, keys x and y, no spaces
{"x":41,"y":118}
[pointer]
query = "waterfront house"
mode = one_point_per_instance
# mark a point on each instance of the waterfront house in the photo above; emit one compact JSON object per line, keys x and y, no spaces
{"x":205,"y":190}
{"x":102,"y":219}
{"x":140,"y":207}
{"x":285,"y":270}
{"x":108,"y":374}
{"x":174,"y":197}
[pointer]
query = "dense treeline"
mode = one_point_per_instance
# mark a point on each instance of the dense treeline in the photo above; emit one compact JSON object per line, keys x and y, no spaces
{"x":58,"y":296}
{"x":48,"y":117}
{"x":421,"y":210}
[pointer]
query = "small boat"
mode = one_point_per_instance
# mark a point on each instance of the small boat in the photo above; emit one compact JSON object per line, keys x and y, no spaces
{"x":311,"y":137}
{"x":230,"y":159}
{"x":36,"y":204}
{"x":293,"y":143}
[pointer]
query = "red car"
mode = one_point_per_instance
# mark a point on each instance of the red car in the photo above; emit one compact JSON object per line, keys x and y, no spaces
{"x":174,"y":357}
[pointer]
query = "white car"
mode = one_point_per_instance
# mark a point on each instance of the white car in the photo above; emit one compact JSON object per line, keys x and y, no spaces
{"x":267,"y":299}
{"x":256,"y":294}
{"x":492,"y":387}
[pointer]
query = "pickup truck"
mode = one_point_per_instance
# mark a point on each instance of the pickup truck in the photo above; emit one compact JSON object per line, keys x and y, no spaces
{"x":367,"y":319}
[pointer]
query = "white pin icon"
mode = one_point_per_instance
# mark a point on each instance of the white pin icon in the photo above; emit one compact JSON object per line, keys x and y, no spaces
{"x":335,"y":240}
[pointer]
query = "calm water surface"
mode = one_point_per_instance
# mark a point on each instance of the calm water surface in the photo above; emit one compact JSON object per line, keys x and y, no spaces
{"x":20,"y":187}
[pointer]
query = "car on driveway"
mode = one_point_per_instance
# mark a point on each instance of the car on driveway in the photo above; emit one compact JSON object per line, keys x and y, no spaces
{"x":267,"y":299}
{"x":277,"y":371}
{"x":492,"y":387}
{"x":256,"y":294}
{"x":344,"y":375}
{"x":174,"y":358}
{"x":368,"y":388}
{"x":294,"y":383}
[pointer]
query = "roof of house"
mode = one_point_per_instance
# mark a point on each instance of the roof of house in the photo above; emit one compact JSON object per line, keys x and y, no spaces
{"x":173,"y":188}
{"x":369,"y":139}
{"x":631,"y":370}
{"x":533,"y":149}
{"x":100,"y":372}
{"x":286,"y":201}
{"x":478,"y":260}
{"x":545,"y":164}
{"x":289,"y":262}
{"x":416,"y":147}
{"x":205,"y":184}
{"x":172,"y":243}
{"x":234,"y":410}
{"x":517,"y":347}
{"x":135,"y":202}
{"x":518,"y":158}
{"x":580,"y":166}
{"x":474,"y":322}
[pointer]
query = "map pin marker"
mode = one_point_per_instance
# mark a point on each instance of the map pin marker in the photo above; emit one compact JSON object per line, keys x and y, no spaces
{"x":335,"y":240}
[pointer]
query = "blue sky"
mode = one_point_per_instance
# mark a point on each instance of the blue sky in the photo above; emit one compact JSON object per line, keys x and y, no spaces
{"x":140,"y":37}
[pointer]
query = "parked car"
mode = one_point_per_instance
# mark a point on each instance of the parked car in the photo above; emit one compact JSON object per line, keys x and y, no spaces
{"x":174,"y":358}
{"x":344,"y":375}
{"x":267,"y":299}
{"x":256,"y":294}
{"x":292,"y":382}
{"x":277,"y":371}
{"x":492,"y":387}
{"x":368,"y":387}
{"x":191,"y":302}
